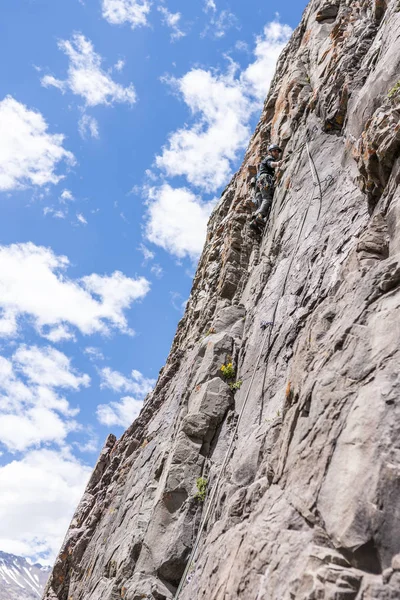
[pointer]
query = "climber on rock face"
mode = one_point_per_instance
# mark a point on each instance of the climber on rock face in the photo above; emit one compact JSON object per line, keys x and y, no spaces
{"x":264,"y":187}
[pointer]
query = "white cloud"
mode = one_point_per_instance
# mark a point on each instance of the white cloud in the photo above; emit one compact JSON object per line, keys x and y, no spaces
{"x":33,"y":284}
{"x":210,"y":5}
{"x":172,"y":20}
{"x":31,"y":411}
{"x":157,"y":270}
{"x":137,"y":384}
{"x":222,"y":105}
{"x":119,"y":65}
{"x":66,"y":196}
{"x":94,"y":353}
{"x":257,"y":77}
{"x":220,"y":24}
{"x":88,"y":126}
{"x":203,"y":153}
{"x":33,"y":427}
{"x":177,"y":220}
{"x":117,"y":292}
{"x":242,"y":46}
{"x":86,"y":78}
{"x":81,"y":219}
{"x":134,"y":12}
{"x":48,"y":367}
{"x":147,"y":254}
{"x":121,"y":413}
{"x":56,"y":214}
{"x":59,"y":334}
{"x":91,"y":444}
{"x":29,"y":154}
{"x":39,"y":495}
{"x":8,"y":323}
{"x":51,"y":81}
{"x":149,"y":173}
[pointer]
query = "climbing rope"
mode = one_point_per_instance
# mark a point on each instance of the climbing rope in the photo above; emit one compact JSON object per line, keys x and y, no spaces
{"x":267,"y":326}
{"x":315,"y":176}
{"x":317,"y":182}
{"x":216,"y":485}
{"x":309,"y":136}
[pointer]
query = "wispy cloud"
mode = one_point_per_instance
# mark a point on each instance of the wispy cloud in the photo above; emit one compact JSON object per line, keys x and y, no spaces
{"x":95,"y":303}
{"x":66,"y":196}
{"x":124,"y":411}
{"x":220,"y":23}
{"x":172,"y":21}
{"x":209,"y":5}
{"x":119,"y":413}
{"x":61,"y":211}
{"x":94,"y":354}
{"x":147,"y":254}
{"x":54,"y":212}
{"x":116,"y":381}
{"x":242,"y":46}
{"x":157,"y":270}
{"x":133,"y":12}
{"x":88,"y":127}
{"x":81,"y":219}
{"x":29,"y":155}
{"x":86,"y":78}
{"x":119,"y":65}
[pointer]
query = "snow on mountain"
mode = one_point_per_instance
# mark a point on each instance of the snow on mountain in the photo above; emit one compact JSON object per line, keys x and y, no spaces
{"x":20,"y":580}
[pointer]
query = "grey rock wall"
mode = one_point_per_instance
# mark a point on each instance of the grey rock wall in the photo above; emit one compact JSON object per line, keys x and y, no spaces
{"x":307,"y":505}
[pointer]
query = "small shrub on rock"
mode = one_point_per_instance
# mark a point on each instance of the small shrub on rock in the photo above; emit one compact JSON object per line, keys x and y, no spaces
{"x":395,"y":89}
{"x":201,"y":484}
{"x":228,"y":371}
{"x":236,"y":385}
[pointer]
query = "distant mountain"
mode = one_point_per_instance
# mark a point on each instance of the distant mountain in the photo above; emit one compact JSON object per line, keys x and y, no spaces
{"x":19,"y":580}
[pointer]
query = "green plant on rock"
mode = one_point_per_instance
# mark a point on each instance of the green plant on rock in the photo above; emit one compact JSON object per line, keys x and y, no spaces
{"x":228,"y":371}
{"x":201,"y":484}
{"x":395,"y":90}
{"x":236,"y":385}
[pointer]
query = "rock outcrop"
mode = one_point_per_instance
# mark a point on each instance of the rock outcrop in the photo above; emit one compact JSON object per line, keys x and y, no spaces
{"x":307,"y":504}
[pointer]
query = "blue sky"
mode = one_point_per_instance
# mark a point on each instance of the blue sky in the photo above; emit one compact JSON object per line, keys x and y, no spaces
{"x":121,"y":121}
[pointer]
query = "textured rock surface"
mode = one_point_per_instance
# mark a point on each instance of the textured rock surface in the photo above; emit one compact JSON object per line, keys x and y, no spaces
{"x":308,"y":506}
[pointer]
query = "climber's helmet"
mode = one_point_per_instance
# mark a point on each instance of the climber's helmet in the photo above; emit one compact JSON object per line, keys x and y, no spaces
{"x":273,"y":148}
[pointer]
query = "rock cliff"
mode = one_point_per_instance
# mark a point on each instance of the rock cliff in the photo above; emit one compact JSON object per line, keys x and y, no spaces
{"x":301,"y":462}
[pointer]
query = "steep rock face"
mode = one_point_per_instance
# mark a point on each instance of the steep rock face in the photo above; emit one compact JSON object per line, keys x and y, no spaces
{"x":303,"y":460}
